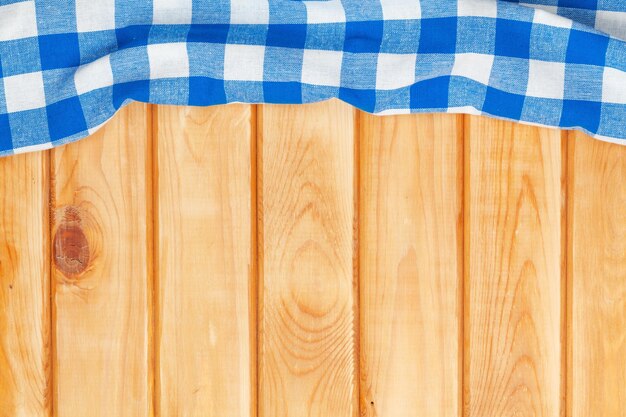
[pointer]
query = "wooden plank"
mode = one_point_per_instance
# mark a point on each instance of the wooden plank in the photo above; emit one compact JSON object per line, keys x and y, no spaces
{"x":597,"y":277}
{"x":514,"y":272}
{"x":24,"y":286}
{"x":308,"y":362}
{"x":102,"y":269}
{"x":411,"y":246}
{"x":206,"y":278}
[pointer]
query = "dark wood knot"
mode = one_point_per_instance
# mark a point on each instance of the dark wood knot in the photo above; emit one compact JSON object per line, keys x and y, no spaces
{"x":71,"y":248}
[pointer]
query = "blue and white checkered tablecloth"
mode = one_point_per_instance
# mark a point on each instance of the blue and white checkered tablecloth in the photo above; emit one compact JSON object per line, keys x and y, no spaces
{"x":66,"y":66}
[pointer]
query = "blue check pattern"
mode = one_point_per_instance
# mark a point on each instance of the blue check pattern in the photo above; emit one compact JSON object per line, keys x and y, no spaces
{"x":66,"y":66}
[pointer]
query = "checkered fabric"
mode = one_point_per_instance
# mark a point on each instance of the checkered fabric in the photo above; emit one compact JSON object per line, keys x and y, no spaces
{"x":66,"y":66}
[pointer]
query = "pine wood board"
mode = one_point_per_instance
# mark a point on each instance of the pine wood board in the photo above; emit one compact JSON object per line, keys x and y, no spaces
{"x":206,"y":288}
{"x":101,"y":205}
{"x":271,"y":260}
{"x":307,"y":297}
{"x":25,"y":340}
{"x":411,"y":264}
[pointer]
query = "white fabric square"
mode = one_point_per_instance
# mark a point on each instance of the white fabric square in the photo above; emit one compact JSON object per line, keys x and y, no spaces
{"x":24,"y":92}
{"x":391,"y":112}
{"x":171,"y":12}
{"x":549,"y":9}
{"x":18,"y":21}
{"x":168,"y":60}
{"x":395,"y":71}
{"x":614,"y":86}
{"x":544,"y":16}
{"x":322,"y":67}
{"x":92,"y":15}
{"x":401,"y":9}
{"x":479,"y":8}
{"x":244,"y":62}
{"x":546,"y":79}
{"x":94,"y":75}
{"x":473,"y":66}
{"x":613,"y":23}
{"x":33,"y":148}
{"x":249,"y":12}
{"x":325,"y":11}
{"x":464,"y":109}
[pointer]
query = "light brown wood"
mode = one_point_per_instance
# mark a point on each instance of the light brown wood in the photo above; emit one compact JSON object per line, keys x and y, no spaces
{"x":308,"y":362}
{"x":514,"y":269}
{"x":278,"y":261}
{"x":206,"y":305}
{"x":597,"y":278}
{"x":24,"y":286}
{"x":411,"y":263}
{"x":102,"y":271}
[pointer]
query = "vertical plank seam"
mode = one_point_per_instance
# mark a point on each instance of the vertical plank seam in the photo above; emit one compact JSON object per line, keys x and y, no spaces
{"x":52,"y":384}
{"x":356,"y":267}
{"x":258,"y":253}
{"x":155,"y":301}
{"x":464,"y":307}
{"x":567,"y":349}
{"x":254,"y":267}
{"x":564,"y":273}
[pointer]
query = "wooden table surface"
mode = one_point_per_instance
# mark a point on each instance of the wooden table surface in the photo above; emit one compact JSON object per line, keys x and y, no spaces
{"x":265,"y":261}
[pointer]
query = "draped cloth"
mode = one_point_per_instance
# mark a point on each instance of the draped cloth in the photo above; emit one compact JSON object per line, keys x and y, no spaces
{"x":66,"y":66}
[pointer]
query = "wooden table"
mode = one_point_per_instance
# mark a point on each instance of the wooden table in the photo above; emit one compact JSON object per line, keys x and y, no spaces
{"x":313,"y":261}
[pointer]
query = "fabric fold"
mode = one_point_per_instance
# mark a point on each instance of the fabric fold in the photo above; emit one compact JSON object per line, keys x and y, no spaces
{"x":67,"y":66}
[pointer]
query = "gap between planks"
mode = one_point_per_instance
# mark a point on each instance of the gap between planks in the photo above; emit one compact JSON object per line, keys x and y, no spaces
{"x":257,"y":257}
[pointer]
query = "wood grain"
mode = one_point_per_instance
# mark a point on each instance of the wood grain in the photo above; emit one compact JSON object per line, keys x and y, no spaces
{"x":102,"y":270}
{"x":312,"y":261}
{"x":597,"y":278}
{"x":206,"y":304}
{"x":514,"y":272}
{"x":24,"y":286}
{"x":308,"y":298}
{"x":411,"y":263}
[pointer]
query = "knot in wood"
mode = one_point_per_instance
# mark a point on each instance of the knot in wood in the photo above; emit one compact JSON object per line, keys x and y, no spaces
{"x":71,"y":248}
